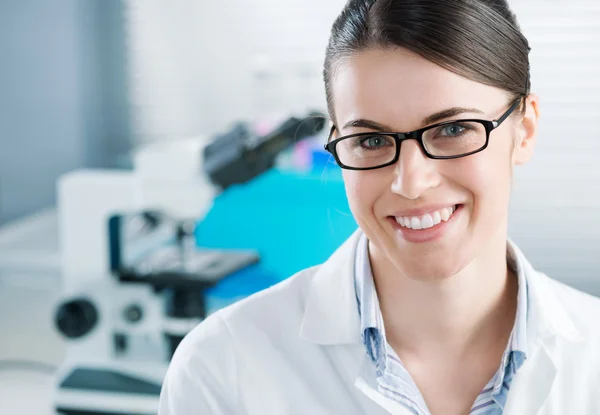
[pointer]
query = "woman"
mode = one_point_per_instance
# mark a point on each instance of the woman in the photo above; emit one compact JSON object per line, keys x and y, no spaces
{"x":429,"y":308}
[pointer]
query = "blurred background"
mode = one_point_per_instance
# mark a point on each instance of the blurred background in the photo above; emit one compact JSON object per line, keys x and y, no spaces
{"x":106,"y":107}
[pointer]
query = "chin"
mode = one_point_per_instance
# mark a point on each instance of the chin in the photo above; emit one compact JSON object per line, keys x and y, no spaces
{"x":431,"y":267}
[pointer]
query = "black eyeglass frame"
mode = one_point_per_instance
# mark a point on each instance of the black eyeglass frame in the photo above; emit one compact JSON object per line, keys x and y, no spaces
{"x":418,"y":135}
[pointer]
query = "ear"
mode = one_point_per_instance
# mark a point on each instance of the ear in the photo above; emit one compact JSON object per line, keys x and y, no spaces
{"x":527,"y":131}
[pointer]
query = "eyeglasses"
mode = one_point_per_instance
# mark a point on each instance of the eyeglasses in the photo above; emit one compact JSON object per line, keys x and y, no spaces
{"x":446,"y":140}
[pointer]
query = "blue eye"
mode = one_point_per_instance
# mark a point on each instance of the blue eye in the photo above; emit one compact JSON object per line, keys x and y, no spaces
{"x":452,"y":130}
{"x":374,"y":142}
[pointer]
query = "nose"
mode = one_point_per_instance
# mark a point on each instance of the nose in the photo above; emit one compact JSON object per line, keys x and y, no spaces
{"x":414,"y":173}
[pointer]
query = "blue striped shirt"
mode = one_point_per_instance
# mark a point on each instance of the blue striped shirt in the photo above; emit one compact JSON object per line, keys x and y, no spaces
{"x":393,"y":379}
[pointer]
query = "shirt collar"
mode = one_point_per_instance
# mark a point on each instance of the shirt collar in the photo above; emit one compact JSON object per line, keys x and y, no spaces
{"x":366,"y":294}
{"x":372,"y":329}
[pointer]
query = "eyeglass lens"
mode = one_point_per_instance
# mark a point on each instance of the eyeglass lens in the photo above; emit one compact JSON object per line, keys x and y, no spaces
{"x":448,"y":140}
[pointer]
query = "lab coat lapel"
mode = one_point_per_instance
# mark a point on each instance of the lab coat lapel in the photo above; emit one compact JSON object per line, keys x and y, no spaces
{"x":546,"y":314}
{"x":331,"y":318}
{"x":531,"y":386}
{"x":547,"y":323}
{"x":331,"y":310}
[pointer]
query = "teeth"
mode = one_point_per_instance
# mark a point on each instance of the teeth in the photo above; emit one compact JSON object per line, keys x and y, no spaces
{"x":428,"y":220}
{"x":416,"y":223}
{"x":445,"y":213}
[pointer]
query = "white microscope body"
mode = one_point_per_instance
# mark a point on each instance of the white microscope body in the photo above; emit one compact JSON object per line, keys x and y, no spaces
{"x":133,"y":278}
{"x":166,"y":178}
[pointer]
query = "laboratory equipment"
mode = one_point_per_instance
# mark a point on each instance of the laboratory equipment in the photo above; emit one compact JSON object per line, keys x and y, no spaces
{"x":134,"y":280}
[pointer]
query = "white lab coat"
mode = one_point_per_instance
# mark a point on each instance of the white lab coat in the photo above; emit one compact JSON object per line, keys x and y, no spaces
{"x":296,"y":349}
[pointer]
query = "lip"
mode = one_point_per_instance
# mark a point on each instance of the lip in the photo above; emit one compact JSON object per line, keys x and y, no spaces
{"x":422,"y":210}
{"x":434,"y":233}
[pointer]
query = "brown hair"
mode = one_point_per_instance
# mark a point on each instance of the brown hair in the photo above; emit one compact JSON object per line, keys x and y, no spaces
{"x":477,"y":39}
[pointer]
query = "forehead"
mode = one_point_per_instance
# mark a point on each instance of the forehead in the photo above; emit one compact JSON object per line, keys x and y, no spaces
{"x":399,"y":88}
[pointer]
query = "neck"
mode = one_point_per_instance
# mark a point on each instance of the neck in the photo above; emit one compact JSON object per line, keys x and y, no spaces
{"x":472,"y":311}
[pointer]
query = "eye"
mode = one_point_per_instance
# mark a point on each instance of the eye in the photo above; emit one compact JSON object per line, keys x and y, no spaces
{"x":374,"y":141}
{"x":452,"y":130}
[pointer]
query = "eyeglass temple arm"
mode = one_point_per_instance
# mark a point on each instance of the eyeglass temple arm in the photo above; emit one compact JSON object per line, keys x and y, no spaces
{"x":329,"y":136}
{"x":510,"y":111}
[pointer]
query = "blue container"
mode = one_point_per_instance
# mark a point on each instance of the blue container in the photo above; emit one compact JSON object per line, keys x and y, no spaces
{"x":293,"y":219}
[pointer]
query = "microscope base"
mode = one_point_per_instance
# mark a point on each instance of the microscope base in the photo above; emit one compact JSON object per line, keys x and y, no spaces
{"x":106,"y":391}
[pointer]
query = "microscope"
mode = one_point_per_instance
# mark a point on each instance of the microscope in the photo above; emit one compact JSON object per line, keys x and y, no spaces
{"x":134,"y":280}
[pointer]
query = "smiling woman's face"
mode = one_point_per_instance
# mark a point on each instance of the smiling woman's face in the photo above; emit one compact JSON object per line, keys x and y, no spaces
{"x":462,"y":202}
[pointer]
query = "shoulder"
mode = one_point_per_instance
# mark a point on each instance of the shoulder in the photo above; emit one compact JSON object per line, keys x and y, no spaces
{"x":273,"y":317}
{"x":210,"y":357}
{"x":283,"y":301}
{"x":278,"y":309}
{"x":576,"y":301}
{"x":581,"y":307}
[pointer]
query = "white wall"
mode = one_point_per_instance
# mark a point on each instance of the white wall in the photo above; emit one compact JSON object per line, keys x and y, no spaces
{"x":62,"y":100}
{"x":196,"y":67}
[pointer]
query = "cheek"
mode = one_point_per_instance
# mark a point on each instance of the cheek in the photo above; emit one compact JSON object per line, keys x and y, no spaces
{"x":363,"y":189}
{"x":487,"y":176}
{"x":496,"y":164}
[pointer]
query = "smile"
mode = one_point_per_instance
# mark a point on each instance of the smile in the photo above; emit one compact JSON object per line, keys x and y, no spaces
{"x":428,"y":220}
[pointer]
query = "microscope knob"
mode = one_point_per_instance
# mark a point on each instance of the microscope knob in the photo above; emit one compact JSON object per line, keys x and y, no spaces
{"x":133,"y":313}
{"x":76,"y":318}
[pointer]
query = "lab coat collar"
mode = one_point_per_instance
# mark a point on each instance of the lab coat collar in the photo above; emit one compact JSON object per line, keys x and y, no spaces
{"x":331,"y":317}
{"x":547,"y":316}
{"x":547,"y":322}
{"x":331,"y":312}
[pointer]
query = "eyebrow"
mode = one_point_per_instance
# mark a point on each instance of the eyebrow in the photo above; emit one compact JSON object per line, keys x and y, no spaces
{"x":431,"y":119}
